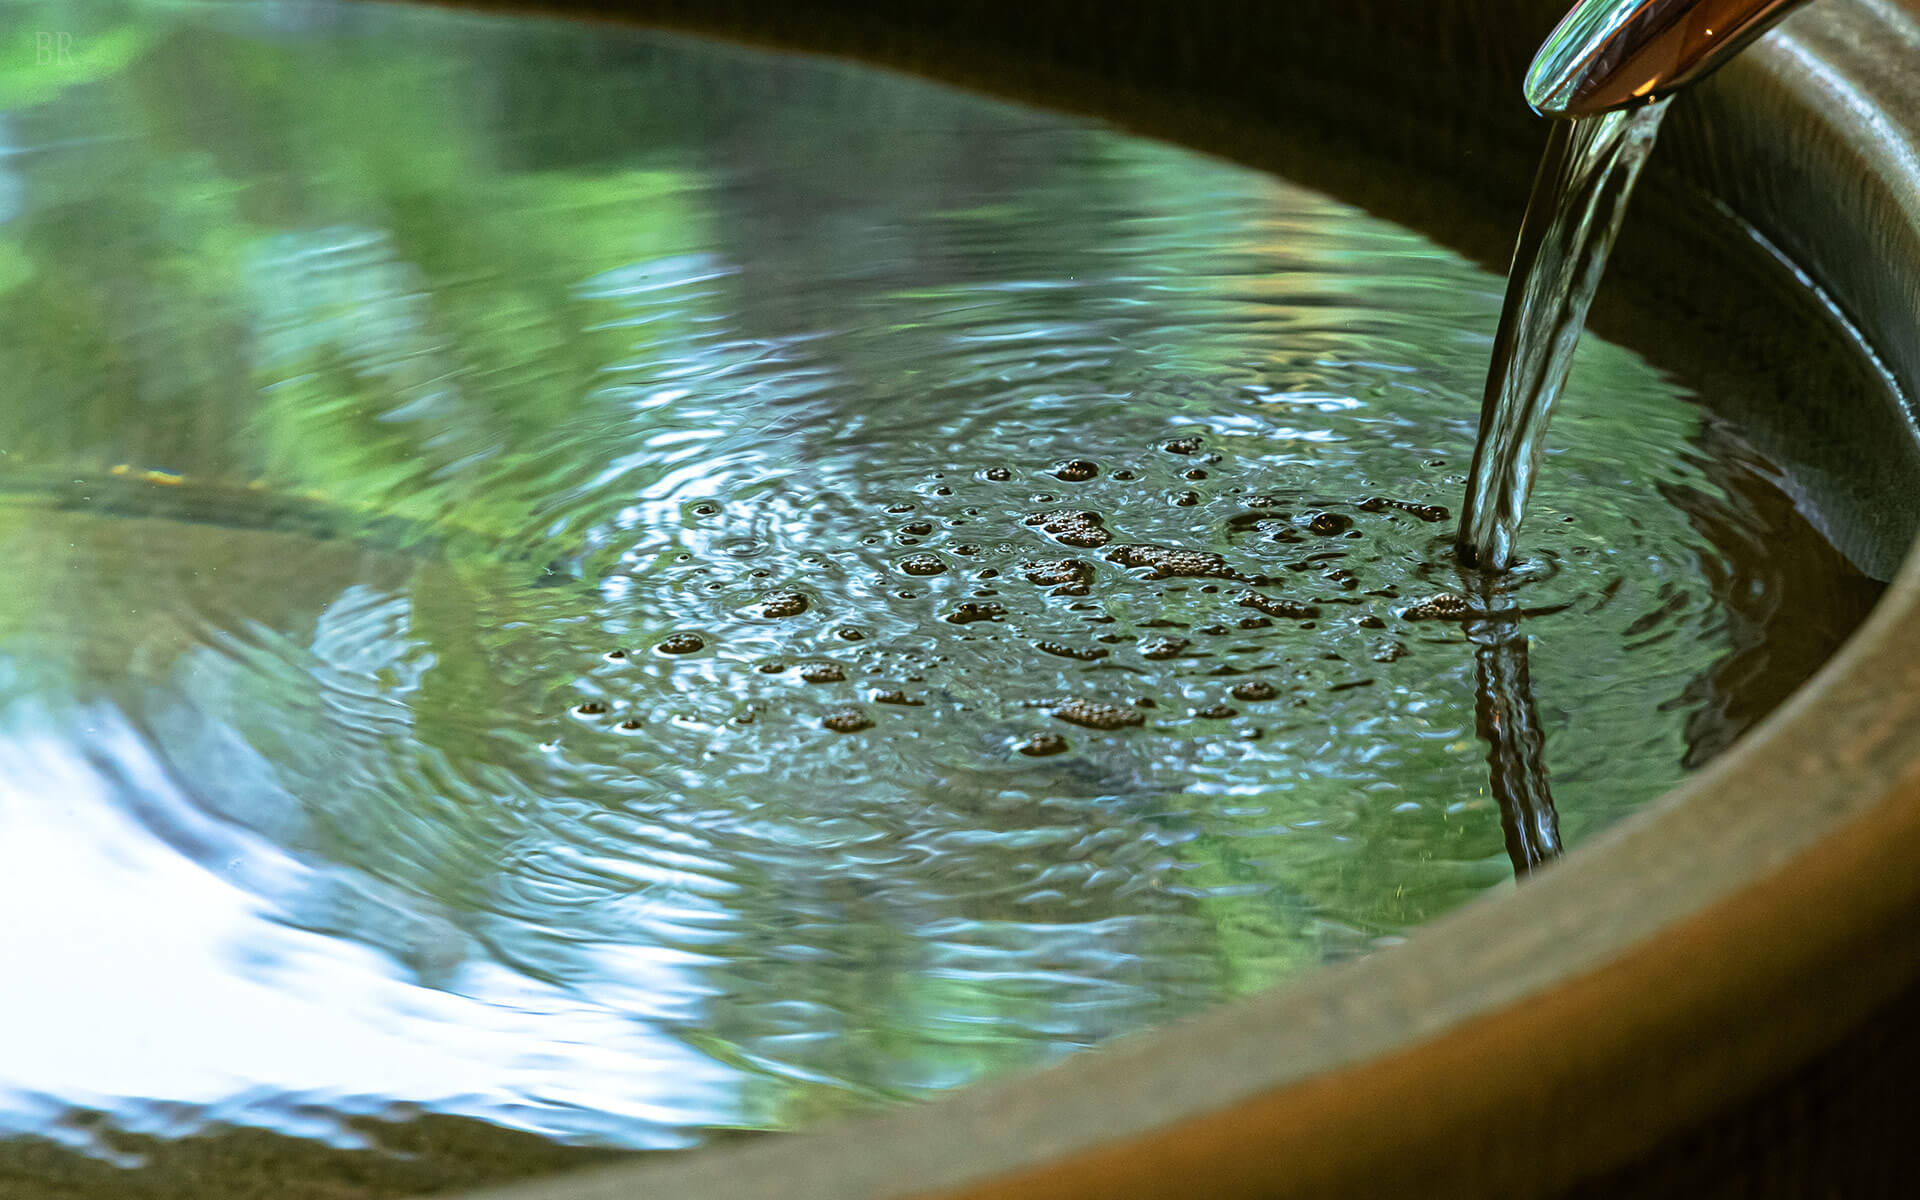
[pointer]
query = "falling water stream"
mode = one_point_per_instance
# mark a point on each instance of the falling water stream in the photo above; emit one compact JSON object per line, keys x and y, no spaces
{"x":1580,"y":195}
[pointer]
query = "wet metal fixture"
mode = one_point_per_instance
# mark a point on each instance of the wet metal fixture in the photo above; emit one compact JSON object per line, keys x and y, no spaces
{"x":1613,"y":54}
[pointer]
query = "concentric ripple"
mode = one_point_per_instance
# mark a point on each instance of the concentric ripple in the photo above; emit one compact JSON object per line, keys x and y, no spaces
{"x":548,"y":588}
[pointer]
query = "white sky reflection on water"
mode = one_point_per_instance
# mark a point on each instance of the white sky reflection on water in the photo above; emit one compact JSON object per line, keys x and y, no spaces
{"x":157,"y":978}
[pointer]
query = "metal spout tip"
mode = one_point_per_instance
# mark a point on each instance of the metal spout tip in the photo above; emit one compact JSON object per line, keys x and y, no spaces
{"x":1614,"y":54}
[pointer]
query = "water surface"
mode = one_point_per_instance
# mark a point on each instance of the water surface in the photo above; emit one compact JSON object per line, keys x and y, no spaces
{"x":548,"y":583}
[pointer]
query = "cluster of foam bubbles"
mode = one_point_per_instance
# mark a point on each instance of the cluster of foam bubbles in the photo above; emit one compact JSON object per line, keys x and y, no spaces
{"x":865,"y":772}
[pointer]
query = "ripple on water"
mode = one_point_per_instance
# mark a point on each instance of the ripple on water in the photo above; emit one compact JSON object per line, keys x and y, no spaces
{"x":818,"y":646}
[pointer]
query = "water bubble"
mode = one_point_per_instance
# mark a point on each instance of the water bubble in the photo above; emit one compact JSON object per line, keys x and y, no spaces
{"x":1445,"y":606}
{"x":1063,"y":650}
{"x":1163,"y":648}
{"x":847,"y":720}
{"x":922,"y":564}
{"x":1254,"y":690}
{"x":1284,"y":609}
{"x":1072,"y":527}
{"x":822,"y":673}
{"x":1093,"y":715}
{"x":681,"y":643}
{"x":1166,"y":562}
{"x":1076,"y":470}
{"x":1431,"y":513}
{"x":1057,"y":572}
{"x":969,"y":612}
{"x":1040,"y":745}
{"x":784,"y":604}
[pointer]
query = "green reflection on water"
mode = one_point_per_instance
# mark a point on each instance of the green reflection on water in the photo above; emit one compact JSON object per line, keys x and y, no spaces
{"x":371,"y":370}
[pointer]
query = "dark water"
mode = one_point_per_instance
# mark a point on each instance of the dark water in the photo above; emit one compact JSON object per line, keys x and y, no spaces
{"x":620,"y":588}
